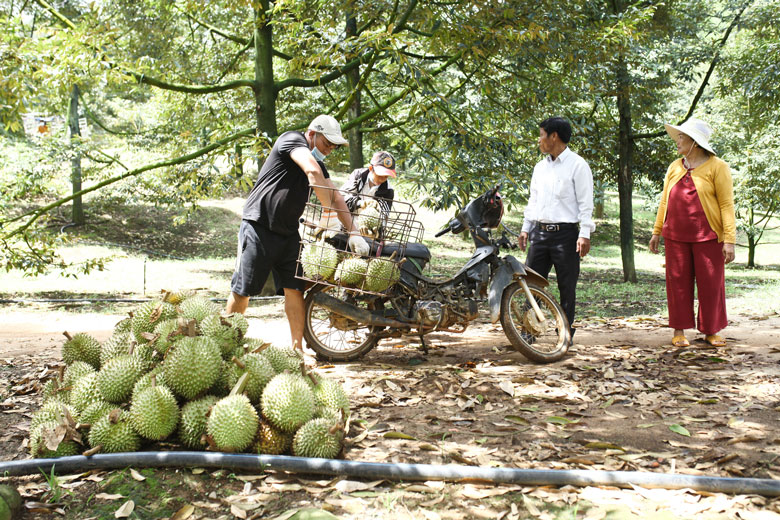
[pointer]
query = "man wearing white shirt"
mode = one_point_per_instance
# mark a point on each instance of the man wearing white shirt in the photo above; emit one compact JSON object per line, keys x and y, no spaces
{"x":558,"y":219}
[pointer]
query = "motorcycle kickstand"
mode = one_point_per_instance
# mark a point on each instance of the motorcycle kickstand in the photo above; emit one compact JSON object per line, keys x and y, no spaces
{"x":423,"y":345}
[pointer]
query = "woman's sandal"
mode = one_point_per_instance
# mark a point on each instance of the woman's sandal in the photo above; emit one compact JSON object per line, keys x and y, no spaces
{"x":715,"y":340}
{"x":680,"y":341}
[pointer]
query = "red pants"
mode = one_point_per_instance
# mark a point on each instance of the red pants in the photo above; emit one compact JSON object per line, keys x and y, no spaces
{"x":703,"y":263}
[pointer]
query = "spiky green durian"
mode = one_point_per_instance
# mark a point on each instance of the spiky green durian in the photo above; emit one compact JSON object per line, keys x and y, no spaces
{"x":92,"y":413}
{"x":197,"y":308}
{"x":43,"y":431}
{"x":147,"y":316}
{"x":114,"y":433}
{"x":260,"y":373}
{"x":319,"y":437}
{"x":176,"y":297}
{"x":351,"y":271}
{"x":55,"y":411}
{"x":227,"y":331}
{"x":283,"y":358}
{"x":117,"y":378}
{"x":123,"y":325}
{"x":330,"y":397}
{"x":192,"y":366}
{"x":81,"y":347}
{"x":319,"y":260}
{"x":167,"y":333}
{"x":119,"y":343}
{"x":232,"y":423}
{"x":154,"y":412}
{"x":369,"y":219}
{"x":76,"y":371}
{"x":271,"y":441}
{"x":287,"y":402}
{"x":145,"y":381}
{"x":85,"y":392}
{"x":381,"y":274}
{"x":194,"y":417}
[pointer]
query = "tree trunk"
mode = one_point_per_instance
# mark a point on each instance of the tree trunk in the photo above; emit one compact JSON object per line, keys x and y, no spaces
{"x":265,"y":90}
{"x":625,"y":173}
{"x":77,"y":216}
{"x":354,"y":134}
{"x":751,"y":251}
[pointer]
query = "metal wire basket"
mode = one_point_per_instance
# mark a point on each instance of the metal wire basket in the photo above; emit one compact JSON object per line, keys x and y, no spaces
{"x":388,"y":227}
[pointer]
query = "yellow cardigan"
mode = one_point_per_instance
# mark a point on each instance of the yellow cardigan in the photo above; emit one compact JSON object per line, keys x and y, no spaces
{"x":716,"y":193}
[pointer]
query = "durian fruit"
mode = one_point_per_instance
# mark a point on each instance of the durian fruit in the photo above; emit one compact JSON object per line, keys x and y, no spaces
{"x":147,"y":316}
{"x":197,"y":308}
{"x":43,"y":435}
{"x":194,"y":416}
{"x":271,"y":441}
{"x":283,"y":358}
{"x":232,"y":423}
{"x":154,"y":412}
{"x":369,"y":220}
{"x":287,"y":402}
{"x":116,"y":379}
{"x":169,"y":331}
{"x":329,"y":397}
{"x":321,"y":437}
{"x":259,"y":372}
{"x":192,"y":366}
{"x":97,"y":409}
{"x":56,"y":389}
{"x":351,"y":271}
{"x":319,"y":260}
{"x":381,"y":274}
{"x":76,"y":371}
{"x":85,"y":392}
{"x":176,"y":297}
{"x":53,"y":411}
{"x":81,"y":347}
{"x":145,"y":381}
{"x":227,"y":331}
{"x":113,"y":433}
{"x":124,"y":325}
{"x":119,"y":343}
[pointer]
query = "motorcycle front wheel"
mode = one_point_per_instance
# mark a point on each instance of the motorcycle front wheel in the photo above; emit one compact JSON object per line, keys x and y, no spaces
{"x":332,"y":336}
{"x":542,"y":341}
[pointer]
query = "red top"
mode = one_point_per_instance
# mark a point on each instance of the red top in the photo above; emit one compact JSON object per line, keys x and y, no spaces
{"x":685,"y":218}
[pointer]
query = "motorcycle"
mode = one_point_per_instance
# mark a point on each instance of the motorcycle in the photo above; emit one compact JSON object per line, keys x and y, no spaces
{"x":343,"y":324}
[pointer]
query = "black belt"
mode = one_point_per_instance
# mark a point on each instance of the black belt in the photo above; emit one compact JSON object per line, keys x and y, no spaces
{"x":557,"y":227}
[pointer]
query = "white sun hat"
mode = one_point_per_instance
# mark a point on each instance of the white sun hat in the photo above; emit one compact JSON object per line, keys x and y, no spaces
{"x":329,"y":127}
{"x":696,"y":129}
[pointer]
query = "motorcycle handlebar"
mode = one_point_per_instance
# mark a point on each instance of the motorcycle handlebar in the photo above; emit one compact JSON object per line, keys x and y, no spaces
{"x":441,"y":232}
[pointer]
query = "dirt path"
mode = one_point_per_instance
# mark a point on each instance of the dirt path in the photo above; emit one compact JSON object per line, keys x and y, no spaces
{"x":623,"y":399}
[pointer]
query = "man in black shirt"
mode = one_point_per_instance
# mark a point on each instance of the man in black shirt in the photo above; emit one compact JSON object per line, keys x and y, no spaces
{"x":268,"y":238}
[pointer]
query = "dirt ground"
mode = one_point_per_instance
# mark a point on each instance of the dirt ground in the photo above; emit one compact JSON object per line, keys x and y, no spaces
{"x":623,"y":399}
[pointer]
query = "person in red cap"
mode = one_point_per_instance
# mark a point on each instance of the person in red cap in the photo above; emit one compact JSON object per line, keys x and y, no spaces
{"x":371,"y":180}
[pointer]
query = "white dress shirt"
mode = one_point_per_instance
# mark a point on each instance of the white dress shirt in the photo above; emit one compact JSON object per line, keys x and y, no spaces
{"x":561,"y":191}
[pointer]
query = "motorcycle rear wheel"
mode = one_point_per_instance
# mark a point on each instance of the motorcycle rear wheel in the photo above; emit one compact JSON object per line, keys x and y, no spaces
{"x":334,"y":337}
{"x":542,"y":342}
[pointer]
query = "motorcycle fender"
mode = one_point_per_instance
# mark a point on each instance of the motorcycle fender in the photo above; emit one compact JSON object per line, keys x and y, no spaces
{"x":510,"y":269}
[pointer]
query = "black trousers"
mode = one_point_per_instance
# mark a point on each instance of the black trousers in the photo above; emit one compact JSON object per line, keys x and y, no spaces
{"x":557,"y":249}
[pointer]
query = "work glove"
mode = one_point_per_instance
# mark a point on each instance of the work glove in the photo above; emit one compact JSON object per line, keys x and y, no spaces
{"x":359,"y":245}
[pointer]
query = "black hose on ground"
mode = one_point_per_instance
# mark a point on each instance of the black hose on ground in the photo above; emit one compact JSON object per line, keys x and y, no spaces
{"x":406,"y":472}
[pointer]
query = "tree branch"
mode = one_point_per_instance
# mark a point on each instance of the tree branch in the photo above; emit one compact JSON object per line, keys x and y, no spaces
{"x":706,"y":78}
{"x":37,"y":213}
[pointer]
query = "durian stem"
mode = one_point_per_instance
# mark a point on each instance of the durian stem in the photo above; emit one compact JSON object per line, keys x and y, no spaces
{"x":93,"y":451}
{"x":240,"y":364}
{"x":60,"y":374}
{"x":67,"y":335}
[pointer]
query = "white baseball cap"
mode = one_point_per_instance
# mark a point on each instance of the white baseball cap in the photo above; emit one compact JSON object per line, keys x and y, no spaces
{"x":696,"y":129}
{"x":329,"y":127}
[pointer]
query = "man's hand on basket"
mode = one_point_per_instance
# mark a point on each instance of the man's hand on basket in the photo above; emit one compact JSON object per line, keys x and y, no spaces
{"x":358,"y":244}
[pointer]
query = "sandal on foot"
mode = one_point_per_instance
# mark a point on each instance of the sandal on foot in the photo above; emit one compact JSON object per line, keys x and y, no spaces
{"x":715,"y":340}
{"x":680,"y":341}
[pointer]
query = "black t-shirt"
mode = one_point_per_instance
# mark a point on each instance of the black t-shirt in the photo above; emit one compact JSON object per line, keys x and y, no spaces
{"x":279,"y":196}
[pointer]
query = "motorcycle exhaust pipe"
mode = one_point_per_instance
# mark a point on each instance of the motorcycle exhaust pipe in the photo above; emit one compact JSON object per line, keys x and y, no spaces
{"x":361,"y":316}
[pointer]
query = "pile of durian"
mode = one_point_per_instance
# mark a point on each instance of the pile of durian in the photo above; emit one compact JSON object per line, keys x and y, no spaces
{"x":178,"y":370}
{"x":322,"y":261}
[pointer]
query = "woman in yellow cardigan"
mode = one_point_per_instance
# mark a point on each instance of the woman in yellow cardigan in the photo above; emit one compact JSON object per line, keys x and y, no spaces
{"x":696,"y":219}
